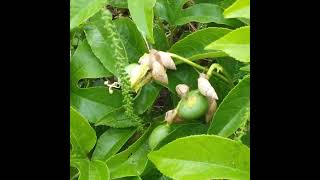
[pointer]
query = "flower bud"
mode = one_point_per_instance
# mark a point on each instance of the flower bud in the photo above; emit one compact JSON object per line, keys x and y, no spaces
{"x":212,"y":109}
{"x":137,"y":74}
{"x":205,"y":87}
{"x":159,"y":73}
{"x":165,"y":59}
{"x":146,"y":59}
{"x":170,"y":115}
{"x":182,"y":89}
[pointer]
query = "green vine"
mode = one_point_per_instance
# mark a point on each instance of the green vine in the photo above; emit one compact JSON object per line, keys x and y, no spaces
{"x":122,"y":62}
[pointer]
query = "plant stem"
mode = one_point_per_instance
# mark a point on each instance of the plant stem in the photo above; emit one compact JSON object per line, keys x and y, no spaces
{"x":195,"y":65}
{"x":224,"y":79}
{"x":225,"y":75}
{"x":187,"y":61}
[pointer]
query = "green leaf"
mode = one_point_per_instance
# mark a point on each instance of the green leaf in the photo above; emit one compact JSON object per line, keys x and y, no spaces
{"x":222,"y":3}
{"x":146,"y":97}
{"x":233,"y":111}
{"x":182,"y":130}
{"x":236,"y":44}
{"x":246,"y":139}
{"x":81,"y":10}
{"x":91,"y":170}
{"x":141,"y":12}
{"x":99,"y":40}
{"x":93,"y":103}
{"x":160,"y":38}
{"x":130,"y":178}
{"x":131,"y":38}
{"x":116,"y":119}
{"x":132,"y":161}
{"x":172,"y":12}
{"x":73,"y":173}
{"x":82,"y":135}
{"x":245,"y":68}
{"x":192,"y":46}
{"x":203,"y":157}
{"x":232,"y":67}
{"x":239,"y":9}
{"x":110,"y":142}
{"x":221,"y":87}
{"x":118,"y":3}
{"x":185,"y":74}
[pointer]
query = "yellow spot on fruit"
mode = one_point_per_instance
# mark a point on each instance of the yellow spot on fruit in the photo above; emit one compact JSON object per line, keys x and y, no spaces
{"x":191,"y":101}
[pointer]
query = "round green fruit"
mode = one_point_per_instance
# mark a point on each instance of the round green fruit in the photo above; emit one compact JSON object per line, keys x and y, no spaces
{"x":158,"y":134}
{"x":193,"y":106}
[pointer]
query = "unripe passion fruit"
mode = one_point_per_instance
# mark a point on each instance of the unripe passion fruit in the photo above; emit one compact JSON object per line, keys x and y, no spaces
{"x":158,"y":134}
{"x":193,"y":106}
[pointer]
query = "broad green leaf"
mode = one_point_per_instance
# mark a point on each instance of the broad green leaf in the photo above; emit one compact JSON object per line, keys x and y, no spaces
{"x":93,"y":103}
{"x":146,"y":97}
{"x":182,"y":130}
{"x":91,"y":170}
{"x":118,"y":3}
{"x":192,"y":46}
{"x":100,"y":40}
{"x":246,"y":139}
{"x":132,"y":161}
{"x":142,"y":102}
{"x":239,"y":9}
{"x":160,"y":38}
{"x":73,"y":173}
{"x":82,"y":135}
{"x":203,"y":157}
{"x":130,"y":178}
{"x":221,"y":3}
{"x":232,"y":67}
{"x":221,"y":87}
{"x":172,"y":12}
{"x":110,"y":142}
{"x":245,"y":68}
{"x":185,"y":74}
{"x":81,"y":10}
{"x":236,"y":44}
{"x":233,"y":111}
{"x":141,"y":12}
{"x":131,"y":38}
{"x":116,"y":119}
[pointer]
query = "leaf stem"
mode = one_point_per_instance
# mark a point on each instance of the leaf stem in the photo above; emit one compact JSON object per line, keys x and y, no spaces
{"x":187,"y":61}
{"x":204,"y":69}
{"x":225,"y":75}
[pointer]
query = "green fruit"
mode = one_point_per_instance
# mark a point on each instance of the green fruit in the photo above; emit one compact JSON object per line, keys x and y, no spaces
{"x":193,"y":106}
{"x":158,"y":134}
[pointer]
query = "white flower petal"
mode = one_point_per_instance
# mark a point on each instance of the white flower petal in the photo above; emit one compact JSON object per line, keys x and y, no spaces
{"x":206,"y":89}
{"x":159,"y":73}
{"x":182,"y":89}
{"x":170,"y":115}
{"x":165,"y":59}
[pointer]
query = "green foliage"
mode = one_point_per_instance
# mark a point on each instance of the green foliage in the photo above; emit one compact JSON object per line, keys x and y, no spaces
{"x":91,"y":170}
{"x":172,"y":11}
{"x":233,"y":111}
{"x":236,"y":44}
{"x":240,"y":9}
{"x":82,"y":10}
{"x":203,"y":157}
{"x":192,"y":46}
{"x":82,"y":135}
{"x":142,"y":14}
{"x":112,"y":125}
